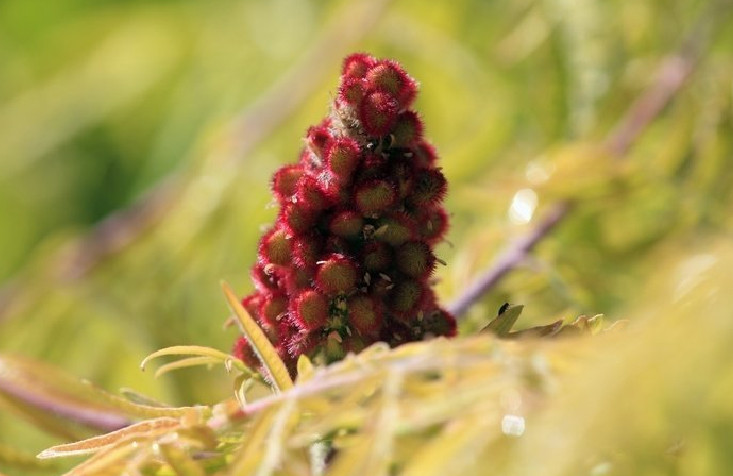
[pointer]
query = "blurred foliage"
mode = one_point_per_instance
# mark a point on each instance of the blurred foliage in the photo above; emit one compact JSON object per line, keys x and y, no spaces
{"x":645,"y":399}
{"x":101,"y":102}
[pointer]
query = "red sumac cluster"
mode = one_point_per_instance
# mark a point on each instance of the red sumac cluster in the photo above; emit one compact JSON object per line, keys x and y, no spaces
{"x":349,"y":259}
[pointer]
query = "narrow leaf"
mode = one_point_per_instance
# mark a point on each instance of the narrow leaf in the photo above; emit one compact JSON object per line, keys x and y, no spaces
{"x":52,"y":399}
{"x":183,"y":363}
{"x":109,"y":461}
{"x":149,"y":428}
{"x":148,"y":411}
{"x":198,"y":351}
{"x":503,"y":323}
{"x":547,"y":330}
{"x":181,"y":463}
{"x":140,"y":399}
{"x":249,"y":456}
{"x":273,"y":365}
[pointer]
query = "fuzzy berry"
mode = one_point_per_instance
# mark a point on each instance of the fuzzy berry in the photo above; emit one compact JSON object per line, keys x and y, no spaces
{"x":430,"y":188}
{"x":364,"y":315}
{"x":415,"y":259}
{"x":388,"y":76}
{"x":357,"y":65}
{"x":275,"y":247}
{"x":336,"y":275}
{"x":284,"y":180}
{"x":375,"y":196}
{"x":407,"y":130}
{"x":378,"y":113}
{"x":310,"y":310}
{"x":349,"y":258}
{"x":342,"y":158}
{"x":346,"y":224}
{"x":395,"y":229}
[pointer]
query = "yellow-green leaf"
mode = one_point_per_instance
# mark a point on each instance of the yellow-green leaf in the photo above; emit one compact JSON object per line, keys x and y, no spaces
{"x":503,"y":323}
{"x":273,"y":365}
{"x":181,"y":463}
{"x":148,"y":428}
{"x":215,"y":356}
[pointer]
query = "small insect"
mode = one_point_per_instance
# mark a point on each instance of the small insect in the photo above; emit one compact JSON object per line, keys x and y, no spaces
{"x":503,"y":308}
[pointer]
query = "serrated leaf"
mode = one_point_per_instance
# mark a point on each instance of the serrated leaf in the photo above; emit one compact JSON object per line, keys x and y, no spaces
{"x":273,"y":366}
{"x":503,"y":323}
{"x":148,"y":428}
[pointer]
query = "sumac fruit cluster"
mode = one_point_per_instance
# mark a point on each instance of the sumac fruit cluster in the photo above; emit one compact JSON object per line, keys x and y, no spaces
{"x":349,"y":259}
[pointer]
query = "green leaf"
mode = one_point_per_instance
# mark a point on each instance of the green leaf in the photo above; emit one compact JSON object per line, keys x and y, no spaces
{"x":503,"y":323}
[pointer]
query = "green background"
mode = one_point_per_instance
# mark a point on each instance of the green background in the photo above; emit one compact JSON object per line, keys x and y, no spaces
{"x":137,"y":140}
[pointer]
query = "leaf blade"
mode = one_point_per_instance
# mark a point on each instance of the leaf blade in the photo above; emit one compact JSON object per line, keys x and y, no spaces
{"x":273,"y":365}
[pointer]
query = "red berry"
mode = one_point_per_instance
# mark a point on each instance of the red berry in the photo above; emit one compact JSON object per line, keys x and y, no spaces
{"x":378,"y":113}
{"x":297,"y":218}
{"x":275,"y":246}
{"x":266,"y":276}
{"x":298,"y":278}
{"x":407,"y":130}
{"x":342,"y":157}
{"x":395,"y":228}
{"x":310,"y":194}
{"x":284,"y":180}
{"x":318,"y":138}
{"x":439,"y":323}
{"x":357,"y":65}
{"x":406,"y":298}
{"x":388,"y":76}
{"x":376,"y":256}
{"x":364,"y":315}
{"x":375,"y":196}
{"x":244,"y":352}
{"x":430,"y":188}
{"x":415,"y":259}
{"x":352,"y":91}
{"x":424,"y":155}
{"x":336,"y":275}
{"x":310,"y":310}
{"x":432,"y":224}
{"x":273,"y":307}
{"x":346,"y":224}
{"x":252,"y":304}
{"x":349,"y":259}
{"x":306,"y":249}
